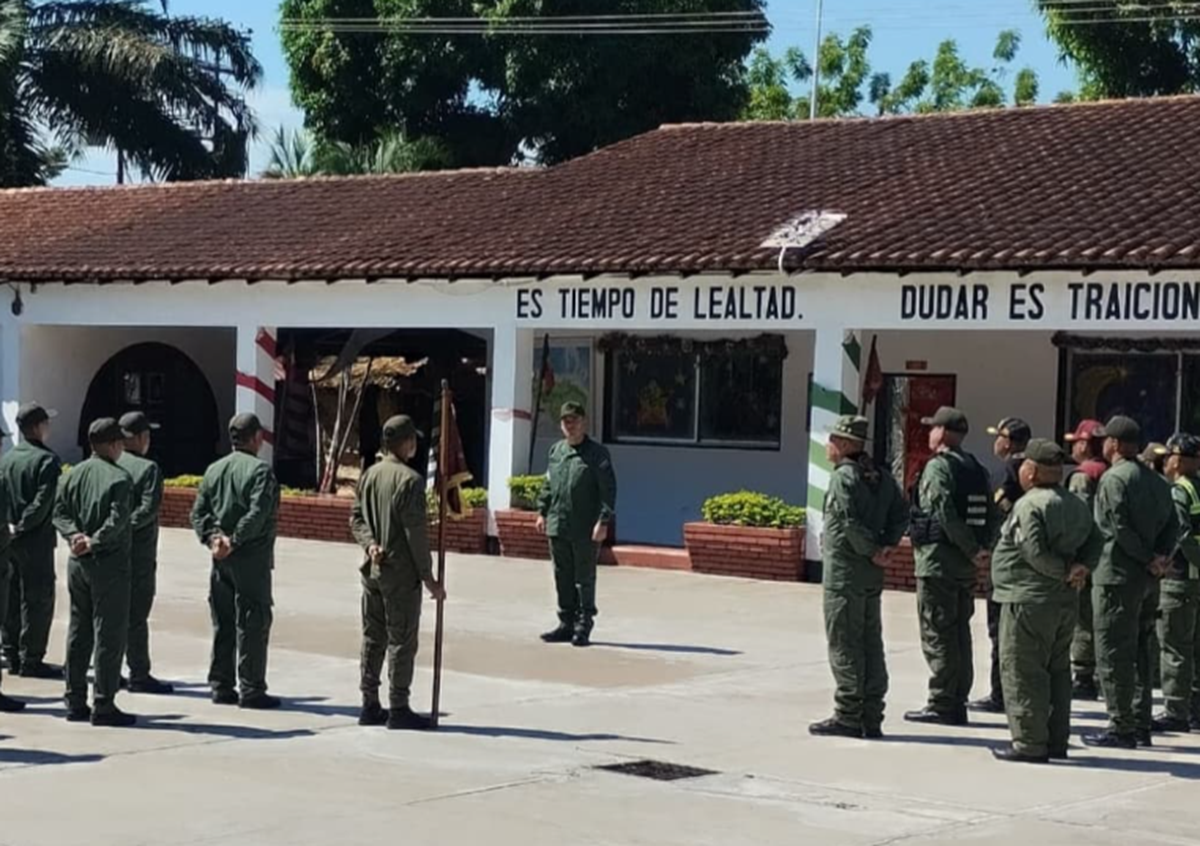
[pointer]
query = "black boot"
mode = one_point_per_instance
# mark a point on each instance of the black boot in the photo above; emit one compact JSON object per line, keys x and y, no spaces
{"x":563,"y":634}
{"x":260,"y":702}
{"x":1166,"y":723}
{"x":1008,"y":753}
{"x":930,"y":716}
{"x":1144,"y":738}
{"x":405,"y":719}
{"x":989,"y":704}
{"x":1109,"y":740}
{"x":833,"y":728}
{"x":8,"y":705}
{"x":224,"y":696}
{"x":372,"y":714}
{"x":113,"y":717}
{"x":40,"y":670}
{"x":583,"y":633}
{"x":78,"y":713}
{"x":1085,"y":687}
{"x":149,"y":684}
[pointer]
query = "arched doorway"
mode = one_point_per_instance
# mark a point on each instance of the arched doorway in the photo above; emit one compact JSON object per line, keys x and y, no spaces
{"x":173,"y":392}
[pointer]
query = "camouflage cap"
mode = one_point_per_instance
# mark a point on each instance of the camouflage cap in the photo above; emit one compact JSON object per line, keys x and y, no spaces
{"x":1124,"y":429}
{"x":1045,"y":452}
{"x":572,"y":409}
{"x":1184,"y":445}
{"x":400,"y":428}
{"x":851,"y":427}
{"x":105,"y":430}
{"x":950,"y":419}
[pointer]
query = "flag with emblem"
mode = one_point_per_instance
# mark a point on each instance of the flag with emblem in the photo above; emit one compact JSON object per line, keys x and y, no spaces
{"x":457,"y":474}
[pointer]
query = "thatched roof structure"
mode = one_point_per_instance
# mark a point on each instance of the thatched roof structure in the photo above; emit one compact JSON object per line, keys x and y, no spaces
{"x":386,"y":371}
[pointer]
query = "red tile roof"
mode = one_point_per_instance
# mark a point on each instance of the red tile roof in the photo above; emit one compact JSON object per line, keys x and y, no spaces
{"x":1090,"y":186}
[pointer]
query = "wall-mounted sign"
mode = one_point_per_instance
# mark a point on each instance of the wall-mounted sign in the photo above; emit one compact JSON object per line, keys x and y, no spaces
{"x":712,"y":302}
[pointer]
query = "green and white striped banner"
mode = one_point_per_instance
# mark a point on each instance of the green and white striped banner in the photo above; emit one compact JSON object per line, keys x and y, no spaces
{"x":836,"y":390}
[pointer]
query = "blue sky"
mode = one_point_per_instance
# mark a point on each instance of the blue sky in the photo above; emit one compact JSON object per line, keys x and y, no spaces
{"x":904,"y":30}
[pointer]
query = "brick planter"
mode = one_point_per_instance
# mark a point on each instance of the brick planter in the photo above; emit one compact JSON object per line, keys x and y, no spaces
{"x":901,"y":573}
{"x":776,"y":554}
{"x":467,"y":536}
{"x":519,"y":537}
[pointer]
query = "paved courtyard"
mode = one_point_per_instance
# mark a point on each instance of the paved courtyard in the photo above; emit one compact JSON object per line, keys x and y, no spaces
{"x":714,"y":673}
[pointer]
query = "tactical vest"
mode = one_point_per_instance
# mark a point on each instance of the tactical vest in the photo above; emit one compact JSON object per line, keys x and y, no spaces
{"x":1179,"y":571}
{"x":971,"y":497}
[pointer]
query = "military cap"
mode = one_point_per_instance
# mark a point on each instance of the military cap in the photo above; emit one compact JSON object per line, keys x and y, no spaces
{"x":1045,"y":452}
{"x":850,"y":427}
{"x":572,"y":409}
{"x":1086,"y":430}
{"x":136,"y":422}
{"x":1013,"y":428}
{"x":31,"y":414}
{"x":1183,"y":444}
{"x":948,"y":418}
{"x":399,"y":428}
{"x":105,"y":430}
{"x":1153,"y":455}
{"x":244,"y":426}
{"x":1124,"y":429}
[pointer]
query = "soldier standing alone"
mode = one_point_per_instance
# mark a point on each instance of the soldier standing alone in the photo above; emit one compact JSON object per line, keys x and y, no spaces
{"x":953,"y":522}
{"x":1081,"y":477}
{"x":1046,"y":547}
{"x":390,"y":523}
{"x":234,"y":516}
{"x":574,"y":510}
{"x":865,"y":518}
{"x":93,"y":515}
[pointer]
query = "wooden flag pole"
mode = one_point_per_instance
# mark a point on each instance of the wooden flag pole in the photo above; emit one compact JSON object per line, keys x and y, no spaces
{"x":443,"y":463}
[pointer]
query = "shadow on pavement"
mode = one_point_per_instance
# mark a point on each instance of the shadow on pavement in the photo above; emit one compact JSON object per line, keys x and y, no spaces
{"x":1178,"y":769}
{"x":170,"y":722}
{"x":540,"y":734}
{"x":943,"y":740}
{"x":679,"y":648}
{"x":40,"y":757}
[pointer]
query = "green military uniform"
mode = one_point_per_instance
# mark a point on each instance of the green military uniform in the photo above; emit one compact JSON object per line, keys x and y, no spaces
{"x":954,"y":519}
{"x":1179,"y":604}
{"x":147,"y":498}
{"x":1082,"y":481}
{"x":1137,"y":518}
{"x":96,"y":501}
{"x":864,"y":512}
{"x":1047,"y":532}
{"x":389,"y":511}
{"x":6,"y":704}
{"x":580,"y":491}
{"x":239,"y":499}
{"x":30,"y":472}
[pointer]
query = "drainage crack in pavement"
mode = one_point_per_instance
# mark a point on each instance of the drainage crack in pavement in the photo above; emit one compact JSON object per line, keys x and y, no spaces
{"x":475,"y":791}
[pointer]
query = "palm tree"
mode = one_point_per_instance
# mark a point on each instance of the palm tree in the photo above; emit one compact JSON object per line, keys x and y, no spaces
{"x":297,"y":154}
{"x":118,"y":74}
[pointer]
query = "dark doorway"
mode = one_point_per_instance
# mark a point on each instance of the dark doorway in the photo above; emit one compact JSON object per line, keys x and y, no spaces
{"x":173,"y":392}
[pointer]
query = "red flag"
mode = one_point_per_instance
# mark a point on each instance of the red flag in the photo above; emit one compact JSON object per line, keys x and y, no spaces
{"x":455,"y":472}
{"x":873,"y":383}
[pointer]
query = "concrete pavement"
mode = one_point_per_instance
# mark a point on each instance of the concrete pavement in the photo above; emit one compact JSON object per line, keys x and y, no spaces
{"x":721,"y":674}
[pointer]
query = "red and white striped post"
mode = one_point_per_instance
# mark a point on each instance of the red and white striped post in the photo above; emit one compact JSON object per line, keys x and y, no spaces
{"x":256,"y":377}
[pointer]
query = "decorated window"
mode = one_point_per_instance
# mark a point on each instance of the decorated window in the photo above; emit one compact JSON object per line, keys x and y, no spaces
{"x":679,"y":391}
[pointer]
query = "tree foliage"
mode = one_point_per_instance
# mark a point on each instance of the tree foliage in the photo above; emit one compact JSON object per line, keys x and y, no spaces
{"x":296,"y":154}
{"x":495,"y":97}
{"x":118,"y":74}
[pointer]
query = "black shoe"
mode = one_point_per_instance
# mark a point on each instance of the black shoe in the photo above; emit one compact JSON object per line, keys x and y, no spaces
{"x":41,"y":670}
{"x":122,"y":683}
{"x":8,"y":705}
{"x":1194,"y":722}
{"x":260,"y":702}
{"x":563,"y":634}
{"x":1167,"y":723}
{"x":930,"y":716}
{"x":1108,"y":740}
{"x":221,"y":696}
{"x":988,"y":704}
{"x":1007,"y":753}
{"x":1058,"y":754}
{"x":81,"y":714}
{"x":373,"y":714}
{"x":873,"y":732}
{"x":11,"y":663}
{"x":150,"y":684}
{"x":405,"y":719}
{"x":582,"y":637}
{"x":116,"y":718}
{"x":1085,"y":688}
{"x":1144,"y":738}
{"x":833,"y":728}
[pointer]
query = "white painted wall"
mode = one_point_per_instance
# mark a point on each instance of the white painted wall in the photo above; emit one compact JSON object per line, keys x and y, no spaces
{"x":58,"y":364}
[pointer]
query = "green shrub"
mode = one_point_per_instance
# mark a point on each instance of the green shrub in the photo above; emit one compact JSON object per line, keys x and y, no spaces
{"x":285,"y":490}
{"x":523,"y":492}
{"x":471,"y":497}
{"x":183,"y":482}
{"x":746,"y":508}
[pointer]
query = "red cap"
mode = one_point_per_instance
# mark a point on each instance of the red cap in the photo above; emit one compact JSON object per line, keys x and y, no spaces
{"x":1086,"y":430}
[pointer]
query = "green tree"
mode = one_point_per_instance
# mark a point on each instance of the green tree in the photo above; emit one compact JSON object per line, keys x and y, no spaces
{"x":295,"y":155}
{"x":494,"y":97}
{"x":1125,"y":49}
{"x":115,"y":73}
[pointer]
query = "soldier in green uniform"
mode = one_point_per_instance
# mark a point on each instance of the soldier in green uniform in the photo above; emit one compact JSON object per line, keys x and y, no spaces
{"x":234,"y":516}
{"x":147,"y":498}
{"x":30,"y":471}
{"x":8,"y":705}
{"x":865,"y":518}
{"x":1137,"y":519}
{"x":576,"y":505}
{"x":1047,"y":546}
{"x":1081,"y":477}
{"x":93,"y":514}
{"x":1179,"y":603}
{"x":953,"y":522}
{"x":390,"y":521}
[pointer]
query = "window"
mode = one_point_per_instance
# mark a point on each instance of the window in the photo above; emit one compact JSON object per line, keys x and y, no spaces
{"x":694,"y":394}
{"x":1144,"y":386}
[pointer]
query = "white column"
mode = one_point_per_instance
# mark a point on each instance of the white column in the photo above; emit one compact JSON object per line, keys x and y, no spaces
{"x":256,"y":379}
{"x":835,"y":391}
{"x":512,"y":412}
{"x":10,"y":375}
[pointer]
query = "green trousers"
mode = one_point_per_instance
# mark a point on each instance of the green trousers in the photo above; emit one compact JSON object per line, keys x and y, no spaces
{"x":854,"y":630}
{"x":1179,"y":636}
{"x":945,"y":608}
{"x":391,"y":620}
{"x":30,"y":600}
{"x":239,"y":600}
{"x":143,"y":586}
{"x":575,"y":579}
{"x":1083,"y":645}
{"x":99,"y":626}
{"x":1124,"y":621}
{"x":1035,"y":662}
{"x":4,"y":578}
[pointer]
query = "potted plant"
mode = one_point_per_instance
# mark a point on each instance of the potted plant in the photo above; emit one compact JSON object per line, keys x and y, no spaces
{"x":468,"y":535}
{"x":748,"y":534}
{"x":516,"y":527}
